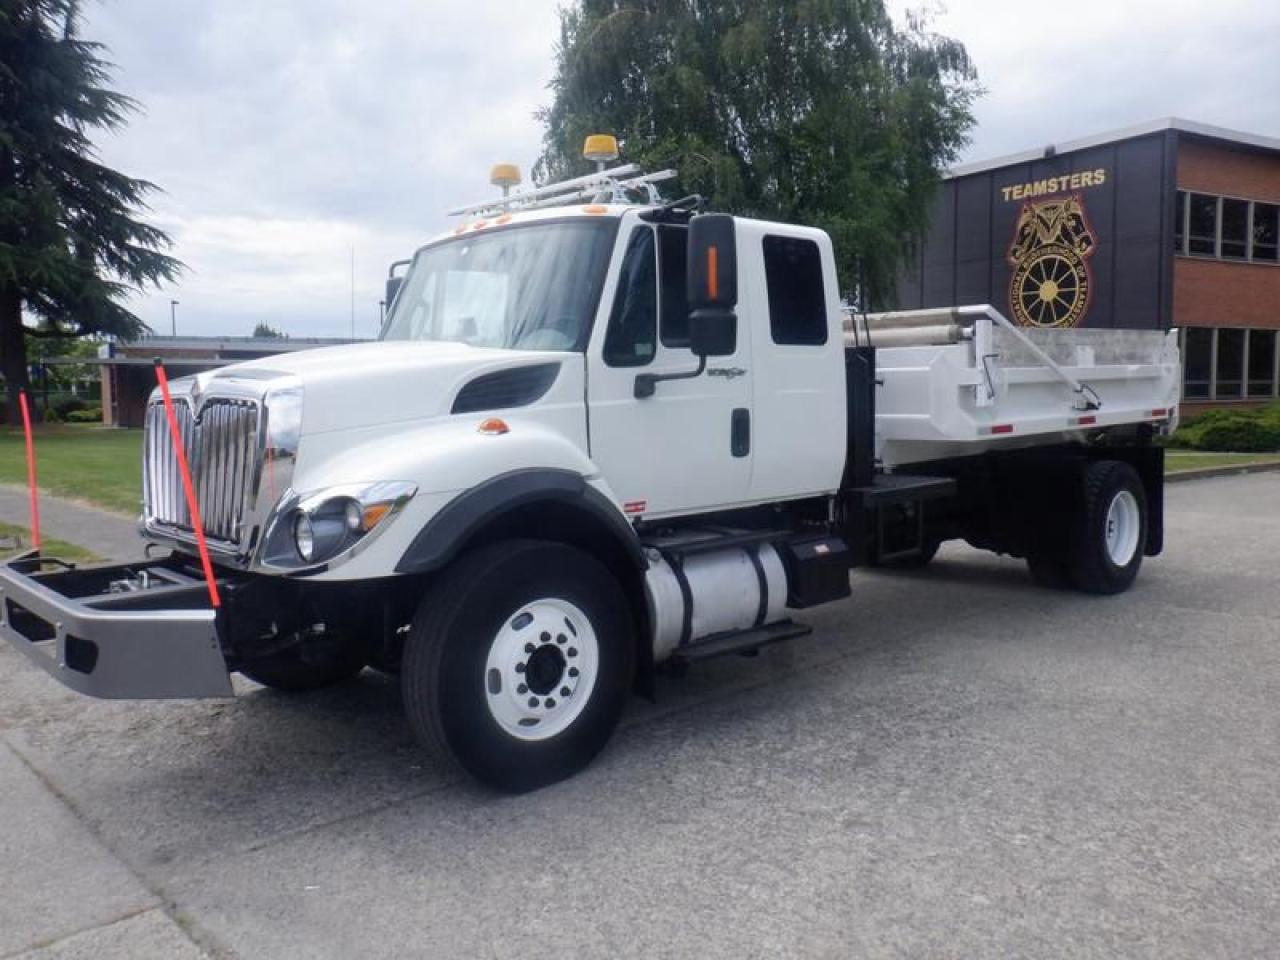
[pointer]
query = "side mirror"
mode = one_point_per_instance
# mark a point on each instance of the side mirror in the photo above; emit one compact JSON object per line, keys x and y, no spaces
{"x":712,"y":277}
{"x":393,"y":287}
{"x":394,"y":282}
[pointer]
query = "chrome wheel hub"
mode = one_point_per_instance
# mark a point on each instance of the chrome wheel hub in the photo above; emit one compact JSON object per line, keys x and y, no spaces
{"x":541,"y":669}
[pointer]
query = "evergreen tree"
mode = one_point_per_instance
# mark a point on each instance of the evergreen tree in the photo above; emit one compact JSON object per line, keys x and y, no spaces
{"x":264,"y":331}
{"x":810,"y":111}
{"x":71,"y":243}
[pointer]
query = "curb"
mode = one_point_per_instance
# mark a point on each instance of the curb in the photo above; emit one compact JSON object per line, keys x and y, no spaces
{"x":1227,"y":470}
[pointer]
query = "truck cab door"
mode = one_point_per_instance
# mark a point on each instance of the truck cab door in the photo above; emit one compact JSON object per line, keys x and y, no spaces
{"x":688,"y":447}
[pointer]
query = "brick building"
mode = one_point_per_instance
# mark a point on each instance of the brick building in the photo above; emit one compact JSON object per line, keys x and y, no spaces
{"x":1171,"y":223}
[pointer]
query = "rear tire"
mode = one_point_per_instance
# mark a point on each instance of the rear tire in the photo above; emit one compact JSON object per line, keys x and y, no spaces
{"x":519,"y":663}
{"x":1111,"y":535}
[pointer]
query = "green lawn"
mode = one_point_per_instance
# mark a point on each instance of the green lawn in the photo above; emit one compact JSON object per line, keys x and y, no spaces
{"x":15,"y":539}
{"x":101,"y":466}
{"x":1177,"y":461}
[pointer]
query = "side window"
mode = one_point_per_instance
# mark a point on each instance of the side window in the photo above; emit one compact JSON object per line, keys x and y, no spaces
{"x":631,"y":338}
{"x":673,"y":248}
{"x":797,"y":302}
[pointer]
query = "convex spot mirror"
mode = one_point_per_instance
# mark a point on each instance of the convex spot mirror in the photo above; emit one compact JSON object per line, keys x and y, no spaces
{"x":712,"y":285}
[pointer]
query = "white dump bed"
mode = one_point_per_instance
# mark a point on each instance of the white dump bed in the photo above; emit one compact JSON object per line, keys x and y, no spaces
{"x":963,"y":380}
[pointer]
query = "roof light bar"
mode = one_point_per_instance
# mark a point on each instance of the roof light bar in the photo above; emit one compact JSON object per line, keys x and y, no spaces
{"x":611,"y":186}
{"x":522,"y":197}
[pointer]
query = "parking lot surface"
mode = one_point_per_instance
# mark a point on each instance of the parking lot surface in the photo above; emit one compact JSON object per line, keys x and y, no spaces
{"x":955,"y":764}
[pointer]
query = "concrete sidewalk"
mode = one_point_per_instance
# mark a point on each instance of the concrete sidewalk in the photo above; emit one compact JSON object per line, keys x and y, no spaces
{"x":109,"y":535}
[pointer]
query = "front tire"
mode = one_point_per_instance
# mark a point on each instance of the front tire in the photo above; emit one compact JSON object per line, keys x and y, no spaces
{"x":1112,"y":533}
{"x":519,"y":663}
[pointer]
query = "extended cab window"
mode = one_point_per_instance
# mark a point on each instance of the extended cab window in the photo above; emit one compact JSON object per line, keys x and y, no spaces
{"x":632,"y":335}
{"x":797,"y":301}
{"x":673,"y":248}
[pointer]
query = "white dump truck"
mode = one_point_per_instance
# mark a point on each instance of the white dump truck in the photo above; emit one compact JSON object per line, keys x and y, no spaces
{"x":599,"y":433}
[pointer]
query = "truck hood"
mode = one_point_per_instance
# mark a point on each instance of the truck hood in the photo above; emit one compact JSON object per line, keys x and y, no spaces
{"x":367,"y":384}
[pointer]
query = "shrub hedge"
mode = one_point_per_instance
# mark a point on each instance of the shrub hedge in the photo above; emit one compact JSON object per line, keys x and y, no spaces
{"x":1232,"y":431}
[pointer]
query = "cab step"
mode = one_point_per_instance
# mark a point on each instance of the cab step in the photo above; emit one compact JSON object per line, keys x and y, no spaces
{"x":740,"y":641}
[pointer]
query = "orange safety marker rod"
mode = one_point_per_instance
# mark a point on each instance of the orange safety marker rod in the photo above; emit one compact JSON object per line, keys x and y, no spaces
{"x":31,"y":470}
{"x":188,"y":487}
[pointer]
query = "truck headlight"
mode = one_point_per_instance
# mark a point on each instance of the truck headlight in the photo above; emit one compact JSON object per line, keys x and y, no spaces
{"x":304,"y":537}
{"x":330,"y":525}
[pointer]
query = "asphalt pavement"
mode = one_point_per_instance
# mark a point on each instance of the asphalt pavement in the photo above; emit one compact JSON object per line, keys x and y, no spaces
{"x":955,"y":764}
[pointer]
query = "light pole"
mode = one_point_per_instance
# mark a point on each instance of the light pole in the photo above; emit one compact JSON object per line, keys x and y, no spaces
{"x":173,"y":316}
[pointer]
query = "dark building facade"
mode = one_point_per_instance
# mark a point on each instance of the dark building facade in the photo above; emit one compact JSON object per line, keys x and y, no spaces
{"x":1171,"y":223}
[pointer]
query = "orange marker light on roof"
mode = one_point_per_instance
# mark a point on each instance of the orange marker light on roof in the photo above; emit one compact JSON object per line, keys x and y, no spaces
{"x":493,"y":427}
{"x":595,"y":208}
{"x":505,"y":218}
{"x":713,"y":274}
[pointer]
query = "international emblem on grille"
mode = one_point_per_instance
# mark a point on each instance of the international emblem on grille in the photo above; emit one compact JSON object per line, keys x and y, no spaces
{"x":1052,"y":282}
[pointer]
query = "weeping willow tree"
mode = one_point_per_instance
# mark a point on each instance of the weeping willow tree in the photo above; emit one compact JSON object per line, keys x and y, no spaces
{"x":822,"y":112}
{"x":72,"y":246}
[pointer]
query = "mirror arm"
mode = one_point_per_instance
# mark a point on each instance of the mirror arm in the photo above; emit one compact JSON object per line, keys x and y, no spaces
{"x":647,"y":383}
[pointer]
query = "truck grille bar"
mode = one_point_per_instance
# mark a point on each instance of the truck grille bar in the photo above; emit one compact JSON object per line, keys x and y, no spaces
{"x":222,"y":446}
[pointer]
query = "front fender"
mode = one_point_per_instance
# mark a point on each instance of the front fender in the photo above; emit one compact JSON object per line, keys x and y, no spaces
{"x":471,"y":511}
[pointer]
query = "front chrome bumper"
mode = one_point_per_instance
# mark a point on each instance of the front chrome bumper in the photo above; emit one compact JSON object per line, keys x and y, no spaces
{"x":157,"y":643}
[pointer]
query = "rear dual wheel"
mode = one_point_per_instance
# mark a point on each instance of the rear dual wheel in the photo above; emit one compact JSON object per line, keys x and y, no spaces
{"x":1110,"y":535}
{"x":519,"y":663}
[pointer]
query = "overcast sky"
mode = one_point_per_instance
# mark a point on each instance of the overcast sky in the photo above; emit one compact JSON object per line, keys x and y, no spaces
{"x":287,"y":134}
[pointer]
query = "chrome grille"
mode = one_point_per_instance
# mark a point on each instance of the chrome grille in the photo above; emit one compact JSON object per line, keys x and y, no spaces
{"x":222,"y":447}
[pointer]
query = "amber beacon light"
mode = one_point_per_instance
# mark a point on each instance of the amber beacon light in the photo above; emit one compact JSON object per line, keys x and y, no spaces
{"x":506,"y":176}
{"x":601,"y":149}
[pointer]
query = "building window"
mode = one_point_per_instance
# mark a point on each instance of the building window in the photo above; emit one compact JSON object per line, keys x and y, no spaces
{"x":1220,"y":363}
{"x":1235,"y":229}
{"x":1262,"y":363}
{"x":1197,"y":363}
{"x":1180,"y":223}
{"x":1202,"y":225}
{"x":1226,"y":227}
{"x":1266,"y":231}
{"x":1230,"y":366}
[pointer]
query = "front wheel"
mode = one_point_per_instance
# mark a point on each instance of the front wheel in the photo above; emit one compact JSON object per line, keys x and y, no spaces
{"x":519,"y":663}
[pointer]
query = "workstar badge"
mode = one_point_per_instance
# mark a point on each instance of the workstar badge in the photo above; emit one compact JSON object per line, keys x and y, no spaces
{"x":1051,"y":283}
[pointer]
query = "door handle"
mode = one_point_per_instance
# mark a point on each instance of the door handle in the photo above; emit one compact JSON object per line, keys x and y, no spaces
{"x":740,"y":432}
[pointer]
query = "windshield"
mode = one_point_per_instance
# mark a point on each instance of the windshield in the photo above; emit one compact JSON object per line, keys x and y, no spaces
{"x":523,"y":288}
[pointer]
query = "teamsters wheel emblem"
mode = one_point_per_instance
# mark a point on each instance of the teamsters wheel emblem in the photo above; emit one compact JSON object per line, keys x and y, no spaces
{"x":1051,"y":281}
{"x":1051,"y":288}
